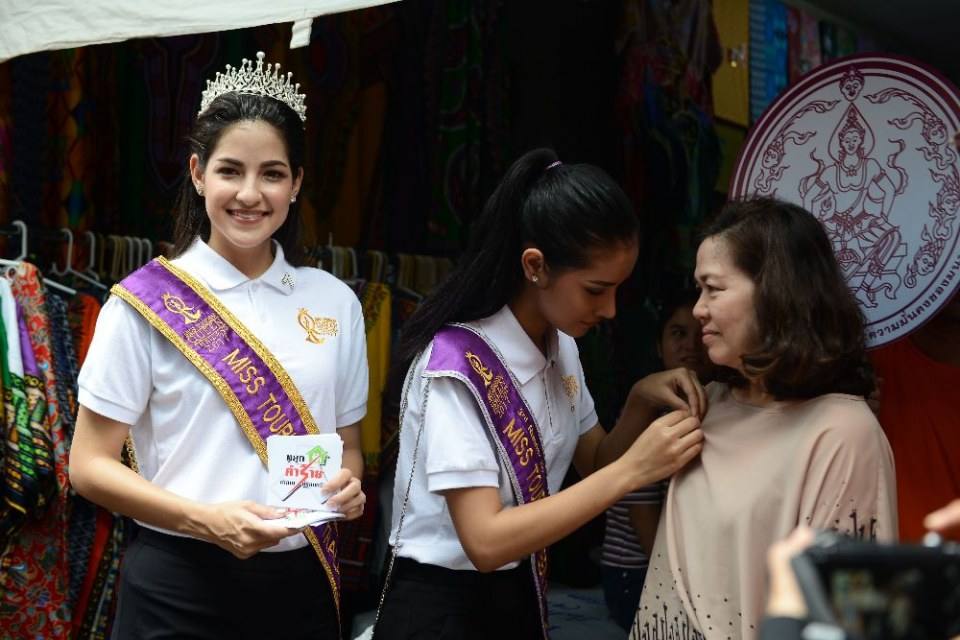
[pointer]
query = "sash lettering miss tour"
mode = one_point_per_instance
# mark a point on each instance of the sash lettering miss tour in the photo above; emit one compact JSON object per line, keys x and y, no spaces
{"x":256,"y":388}
{"x":462,"y":353}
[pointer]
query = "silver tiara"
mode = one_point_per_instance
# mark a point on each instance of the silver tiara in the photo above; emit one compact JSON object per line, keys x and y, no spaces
{"x":256,"y":81}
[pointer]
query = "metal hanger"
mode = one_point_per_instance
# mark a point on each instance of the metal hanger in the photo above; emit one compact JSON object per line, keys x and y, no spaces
{"x":22,"y":228}
{"x":69,"y":270}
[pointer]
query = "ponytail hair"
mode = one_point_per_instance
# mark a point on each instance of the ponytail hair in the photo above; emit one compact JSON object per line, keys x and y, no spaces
{"x":565,"y":211}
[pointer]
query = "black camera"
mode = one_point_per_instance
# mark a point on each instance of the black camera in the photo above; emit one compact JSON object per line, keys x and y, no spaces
{"x":882,"y":591}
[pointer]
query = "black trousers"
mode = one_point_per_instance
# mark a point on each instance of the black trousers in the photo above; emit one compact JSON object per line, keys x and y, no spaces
{"x":181,"y":588}
{"x":427,"y":602}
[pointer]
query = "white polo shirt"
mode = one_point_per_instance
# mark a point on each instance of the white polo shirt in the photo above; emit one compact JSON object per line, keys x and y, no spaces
{"x":455,"y":448}
{"x":186,"y":439}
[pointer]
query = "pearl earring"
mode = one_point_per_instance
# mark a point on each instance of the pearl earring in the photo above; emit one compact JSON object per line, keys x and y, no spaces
{"x":293,"y":198}
{"x":535,"y":278}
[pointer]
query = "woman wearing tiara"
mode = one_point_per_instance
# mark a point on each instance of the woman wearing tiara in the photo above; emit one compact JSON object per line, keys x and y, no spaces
{"x":195,"y":360}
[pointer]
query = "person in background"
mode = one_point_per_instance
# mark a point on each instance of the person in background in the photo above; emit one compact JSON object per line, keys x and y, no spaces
{"x":631,"y":524}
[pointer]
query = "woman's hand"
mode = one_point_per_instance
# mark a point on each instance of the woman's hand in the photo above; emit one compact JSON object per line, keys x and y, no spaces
{"x":242,"y":528}
{"x":673,"y":389}
{"x":347,"y":497}
{"x":665,"y":447}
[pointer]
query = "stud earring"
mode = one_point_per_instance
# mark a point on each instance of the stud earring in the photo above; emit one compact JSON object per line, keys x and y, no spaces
{"x":293,"y":198}
{"x":535,"y":278}
{"x":199,"y":189}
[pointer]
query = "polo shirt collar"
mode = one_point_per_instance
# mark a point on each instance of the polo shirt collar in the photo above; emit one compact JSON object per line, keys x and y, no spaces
{"x":521,"y":354}
{"x":220,"y":275}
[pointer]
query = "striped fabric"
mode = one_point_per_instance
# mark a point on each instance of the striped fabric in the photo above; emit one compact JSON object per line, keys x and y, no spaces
{"x":620,"y":545}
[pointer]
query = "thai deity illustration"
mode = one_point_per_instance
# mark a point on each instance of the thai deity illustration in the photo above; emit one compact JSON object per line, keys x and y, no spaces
{"x":775,"y":151}
{"x":938,"y":146}
{"x":943,"y":213}
{"x":853,"y":198}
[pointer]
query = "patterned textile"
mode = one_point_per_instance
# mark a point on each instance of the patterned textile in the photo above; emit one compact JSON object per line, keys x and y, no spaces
{"x":98,"y":614}
{"x":28,"y":479}
{"x":405,"y":302}
{"x":344,"y":68}
{"x":82,"y":514}
{"x":70,"y":131}
{"x":464,"y":94}
{"x":768,"y":62}
{"x":34,"y":573}
{"x":375,"y":299}
{"x":671,"y":154}
{"x":64,"y":362}
{"x":5,"y":379}
{"x":803,"y":42}
{"x":356,"y":536}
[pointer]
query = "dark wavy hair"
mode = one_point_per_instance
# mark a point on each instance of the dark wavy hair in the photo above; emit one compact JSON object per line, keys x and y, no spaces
{"x":565,"y":211}
{"x":810,"y":331}
{"x":190,"y":215}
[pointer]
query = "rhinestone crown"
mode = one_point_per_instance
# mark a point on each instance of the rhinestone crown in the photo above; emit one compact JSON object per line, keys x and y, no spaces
{"x":256,"y":81}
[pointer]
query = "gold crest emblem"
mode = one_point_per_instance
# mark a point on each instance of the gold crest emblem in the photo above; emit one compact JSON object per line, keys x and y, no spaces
{"x":175,"y":304}
{"x":318,"y":329}
{"x":570,"y":387}
{"x":477,"y":365}
{"x":498,"y":396}
{"x":209,"y":335}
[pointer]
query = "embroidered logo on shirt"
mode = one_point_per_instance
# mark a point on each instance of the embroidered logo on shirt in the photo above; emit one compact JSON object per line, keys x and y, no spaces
{"x":571,"y":388}
{"x":318,"y":329}
{"x":175,"y":304}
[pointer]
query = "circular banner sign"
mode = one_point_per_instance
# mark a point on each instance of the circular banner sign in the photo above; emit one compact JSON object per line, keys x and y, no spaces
{"x":866,"y":144}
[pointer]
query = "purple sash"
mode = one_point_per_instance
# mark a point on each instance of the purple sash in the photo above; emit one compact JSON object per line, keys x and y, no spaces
{"x":256,"y":388}
{"x":460,"y":352}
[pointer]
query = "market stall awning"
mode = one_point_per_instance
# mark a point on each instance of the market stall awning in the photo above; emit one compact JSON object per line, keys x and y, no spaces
{"x":27,"y":26}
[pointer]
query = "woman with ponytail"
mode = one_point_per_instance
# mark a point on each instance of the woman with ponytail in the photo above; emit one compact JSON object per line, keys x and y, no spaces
{"x":495,"y":409}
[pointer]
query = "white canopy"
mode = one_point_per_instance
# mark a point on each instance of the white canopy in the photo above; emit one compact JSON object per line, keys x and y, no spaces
{"x":38,"y":25}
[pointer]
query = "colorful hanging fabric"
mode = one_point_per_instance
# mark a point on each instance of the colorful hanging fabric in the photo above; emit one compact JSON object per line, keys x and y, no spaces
{"x":83,"y":310}
{"x":376,"y":301}
{"x":768,"y":53}
{"x":95,"y":615}
{"x":34,"y":571}
{"x":69,"y":128}
{"x":457,"y":38}
{"x":28,"y":480}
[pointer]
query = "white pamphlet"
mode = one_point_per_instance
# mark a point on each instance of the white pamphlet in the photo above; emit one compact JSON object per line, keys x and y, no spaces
{"x":298,"y":467}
